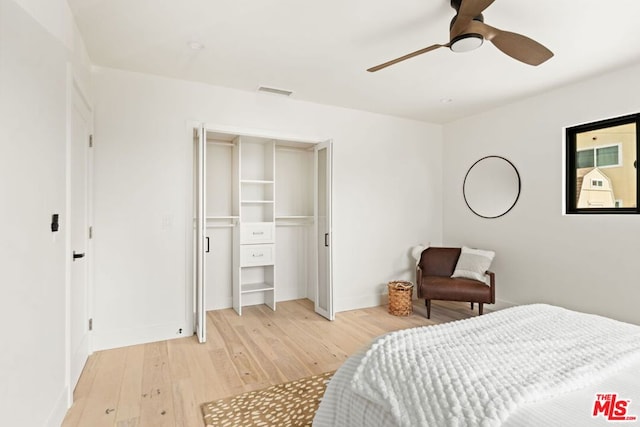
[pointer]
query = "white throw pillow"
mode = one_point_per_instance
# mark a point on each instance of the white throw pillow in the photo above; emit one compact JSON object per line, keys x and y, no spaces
{"x":473,"y":263}
{"x":416,"y":252}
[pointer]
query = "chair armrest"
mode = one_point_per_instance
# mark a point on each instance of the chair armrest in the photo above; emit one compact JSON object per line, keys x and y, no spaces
{"x":492,"y":285}
{"x":418,"y":281}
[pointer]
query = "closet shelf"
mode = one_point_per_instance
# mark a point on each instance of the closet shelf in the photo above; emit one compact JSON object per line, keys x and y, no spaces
{"x":222,"y":221}
{"x":248,"y":288}
{"x":257,"y":201}
{"x":294,"y":217}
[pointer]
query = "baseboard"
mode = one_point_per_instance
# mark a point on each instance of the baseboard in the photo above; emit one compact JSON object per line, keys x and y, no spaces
{"x":220,"y":304}
{"x":360,"y":301}
{"x":374,"y":300}
{"x":59,"y":410}
{"x":254,"y":300}
{"x":125,"y":337}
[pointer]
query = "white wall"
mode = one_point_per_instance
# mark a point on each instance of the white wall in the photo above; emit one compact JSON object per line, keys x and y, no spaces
{"x":587,"y":263}
{"x":387,"y":194}
{"x":34,"y":55}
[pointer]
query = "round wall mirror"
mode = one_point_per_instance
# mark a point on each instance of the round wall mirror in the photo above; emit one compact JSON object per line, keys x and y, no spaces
{"x":491,"y":187}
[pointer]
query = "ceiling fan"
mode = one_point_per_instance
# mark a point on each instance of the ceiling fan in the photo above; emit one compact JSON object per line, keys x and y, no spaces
{"x":468,"y":31}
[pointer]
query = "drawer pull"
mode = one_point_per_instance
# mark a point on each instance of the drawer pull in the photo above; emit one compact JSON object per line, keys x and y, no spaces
{"x":258,"y":233}
{"x":257,"y":255}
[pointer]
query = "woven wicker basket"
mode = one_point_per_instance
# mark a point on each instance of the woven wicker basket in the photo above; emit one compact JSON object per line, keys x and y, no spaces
{"x":400,"y":298}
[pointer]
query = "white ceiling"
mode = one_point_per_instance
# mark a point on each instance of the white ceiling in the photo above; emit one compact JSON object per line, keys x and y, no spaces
{"x":321,"y":49}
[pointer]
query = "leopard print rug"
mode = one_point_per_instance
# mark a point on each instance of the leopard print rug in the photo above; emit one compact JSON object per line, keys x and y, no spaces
{"x":292,"y":404}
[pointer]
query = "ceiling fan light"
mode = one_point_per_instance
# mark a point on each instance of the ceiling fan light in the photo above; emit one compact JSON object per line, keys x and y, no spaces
{"x":466,"y":42}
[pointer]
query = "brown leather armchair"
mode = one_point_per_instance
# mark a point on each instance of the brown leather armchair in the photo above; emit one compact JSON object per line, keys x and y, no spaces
{"x":434,"y":281}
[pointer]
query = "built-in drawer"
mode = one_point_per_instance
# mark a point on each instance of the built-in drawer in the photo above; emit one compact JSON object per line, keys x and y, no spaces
{"x":257,"y":232}
{"x":254,"y":255}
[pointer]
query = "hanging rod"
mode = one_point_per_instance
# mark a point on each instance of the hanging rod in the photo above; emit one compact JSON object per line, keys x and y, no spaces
{"x":220,"y":225}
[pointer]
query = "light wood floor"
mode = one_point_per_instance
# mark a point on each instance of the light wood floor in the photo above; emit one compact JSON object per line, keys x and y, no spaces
{"x":164,"y":383}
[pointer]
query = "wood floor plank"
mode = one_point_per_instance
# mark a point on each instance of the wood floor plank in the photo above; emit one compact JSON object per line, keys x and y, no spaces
{"x":206,"y":378}
{"x":177,"y":350}
{"x":156,"y":405}
{"x":227,"y":380}
{"x":214,"y":339}
{"x":85,"y":382}
{"x":102,"y":397}
{"x":294,"y":349}
{"x":185,"y":404}
{"x":323,"y":354}
{"x":258,"y":337}
{"x":165,"y":383}
{"x":128,"y":407}
{"x":246,"y":366}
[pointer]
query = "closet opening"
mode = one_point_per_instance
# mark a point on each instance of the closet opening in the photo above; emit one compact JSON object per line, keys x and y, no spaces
{"x":262,"y":216}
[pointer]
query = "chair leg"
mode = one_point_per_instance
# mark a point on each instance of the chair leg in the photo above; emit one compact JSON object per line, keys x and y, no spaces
{"x":471,"y":306}
{"x":480,"y":308}
{"x":427,"y":302}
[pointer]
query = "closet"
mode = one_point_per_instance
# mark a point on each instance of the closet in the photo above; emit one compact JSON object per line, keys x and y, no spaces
{"x":262,"y":216}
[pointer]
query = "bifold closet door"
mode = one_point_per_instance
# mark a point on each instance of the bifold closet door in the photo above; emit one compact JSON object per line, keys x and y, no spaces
{"x":322,"y":217}
{"x":200,"y":150}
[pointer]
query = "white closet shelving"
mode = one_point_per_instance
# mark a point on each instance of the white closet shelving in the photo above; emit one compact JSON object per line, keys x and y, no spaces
{"x":254,"y":257}
{"x":259,"y":234}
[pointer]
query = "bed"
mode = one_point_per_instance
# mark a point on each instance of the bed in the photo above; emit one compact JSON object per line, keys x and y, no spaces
{"x":532,"y":365}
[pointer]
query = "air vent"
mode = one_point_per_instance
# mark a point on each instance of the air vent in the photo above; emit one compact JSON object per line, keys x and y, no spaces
{"x":275,"y":91}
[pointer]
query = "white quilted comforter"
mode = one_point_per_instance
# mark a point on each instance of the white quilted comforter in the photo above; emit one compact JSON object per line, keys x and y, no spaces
{"x":479,"y":371}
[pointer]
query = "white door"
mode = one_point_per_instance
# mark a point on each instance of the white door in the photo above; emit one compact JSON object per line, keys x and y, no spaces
{"x":79,"y":229}
{"x":322,"y":214}
{"x":200,"y":150}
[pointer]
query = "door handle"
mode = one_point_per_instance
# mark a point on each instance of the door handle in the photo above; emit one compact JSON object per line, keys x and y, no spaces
{"x":326,"y":240}
{"x":76,"y":256}
{"x":207,"y":251}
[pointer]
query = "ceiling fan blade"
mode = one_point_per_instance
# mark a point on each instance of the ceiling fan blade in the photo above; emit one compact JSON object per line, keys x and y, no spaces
{"x":515,"y":45}
{"x":469,"y":9}
{"x":407,"y":56}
